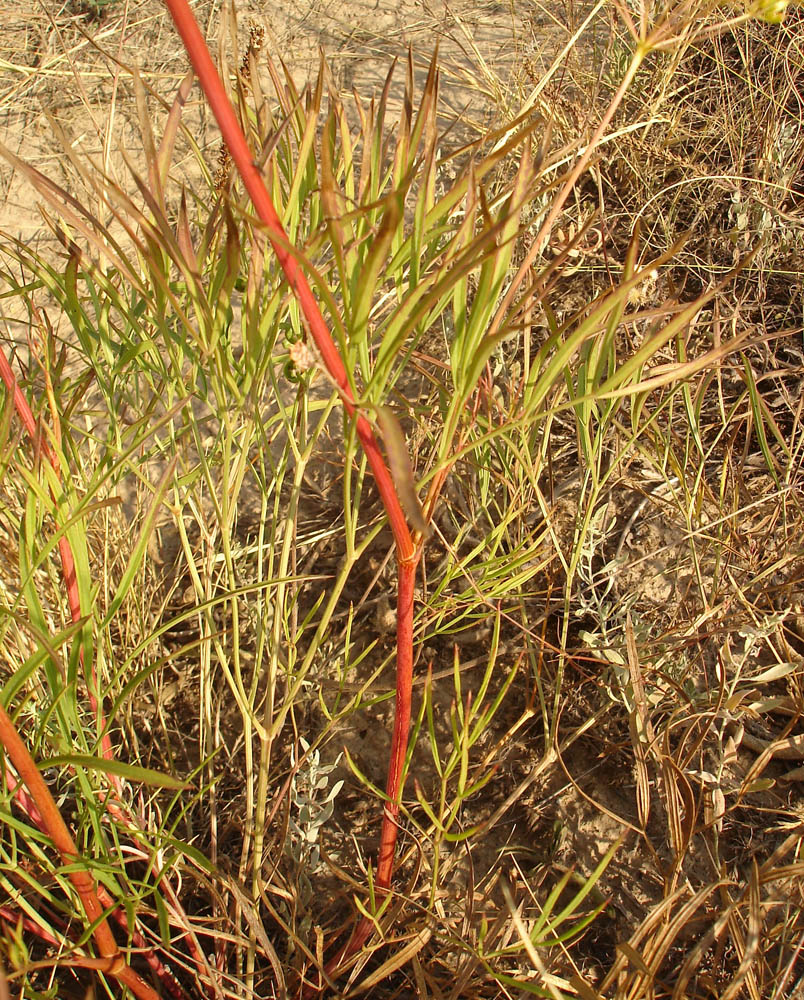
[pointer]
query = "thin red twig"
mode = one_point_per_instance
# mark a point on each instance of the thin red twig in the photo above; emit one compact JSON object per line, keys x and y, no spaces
{"x":25,"y":413}
{"x":12,"y":917}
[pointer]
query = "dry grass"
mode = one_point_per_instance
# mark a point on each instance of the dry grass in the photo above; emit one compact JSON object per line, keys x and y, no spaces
{"x":605,"y":784}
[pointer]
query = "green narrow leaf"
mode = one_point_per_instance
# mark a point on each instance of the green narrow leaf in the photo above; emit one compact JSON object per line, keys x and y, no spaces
{"x":759,"y":418}
{"x":132,"y":772}
{"x":366,"y":282}
{"x":333,"y":201}
{"x":138,"y":553}
{"x":401,"y":155}
{"x":590,"y":884}
{"x":305,"y":164}
{"x":163,"y":918}
{"x":48,"y":649}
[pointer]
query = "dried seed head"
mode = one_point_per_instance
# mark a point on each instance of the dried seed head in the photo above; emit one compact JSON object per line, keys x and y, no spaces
{"x":222,"y":174}
{"x":256,"y":37}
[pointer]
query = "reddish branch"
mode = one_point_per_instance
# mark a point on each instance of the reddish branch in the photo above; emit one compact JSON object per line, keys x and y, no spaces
{"x":166,"y":977}
{"x":83,"y":882}
{"x":25,"y":414}
{"x":408,"y":553}
{"x":39,"y":804}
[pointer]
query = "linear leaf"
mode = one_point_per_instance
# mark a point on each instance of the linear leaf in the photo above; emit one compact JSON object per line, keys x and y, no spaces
{"x":132,"y":772}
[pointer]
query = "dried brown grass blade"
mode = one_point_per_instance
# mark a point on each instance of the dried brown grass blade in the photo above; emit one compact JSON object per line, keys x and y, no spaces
{"x":183,"y":235}
{"x":750,"y":947}
{"x":72,"y":212}
{"x":148,"y":144}
{"x":397,"y":961}
{"x":332,"y":198}
{"x":164,"y":156}
{"x":649,"y":929}
{"x":657,"y":948}
{"x":399,"y":464}
{"x":679,"y":803}
{"x":640,"y":725}
{"x":696,"y":954}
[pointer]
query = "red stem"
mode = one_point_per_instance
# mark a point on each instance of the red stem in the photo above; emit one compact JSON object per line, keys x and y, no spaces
{"x":243,"y":159}
{"x":25,"y":414}
{"x":28,"y":806}
{"x":399,"y":746}
{"x":13,"y":918}
{"x":399,"y":740}
{"x":45,"y":819}
{"x":407,"y":553}
{"x":82,"y":881}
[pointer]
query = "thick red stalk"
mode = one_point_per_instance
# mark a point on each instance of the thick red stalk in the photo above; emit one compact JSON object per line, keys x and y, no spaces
{"x":399,"y":747}
{"x":399,"y":740}
{"x":169,"y":982}
{"x":407,"y":552}
{"x":82,"y":881}
{"x":28,"y":806}
{"x":243,"y":159}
